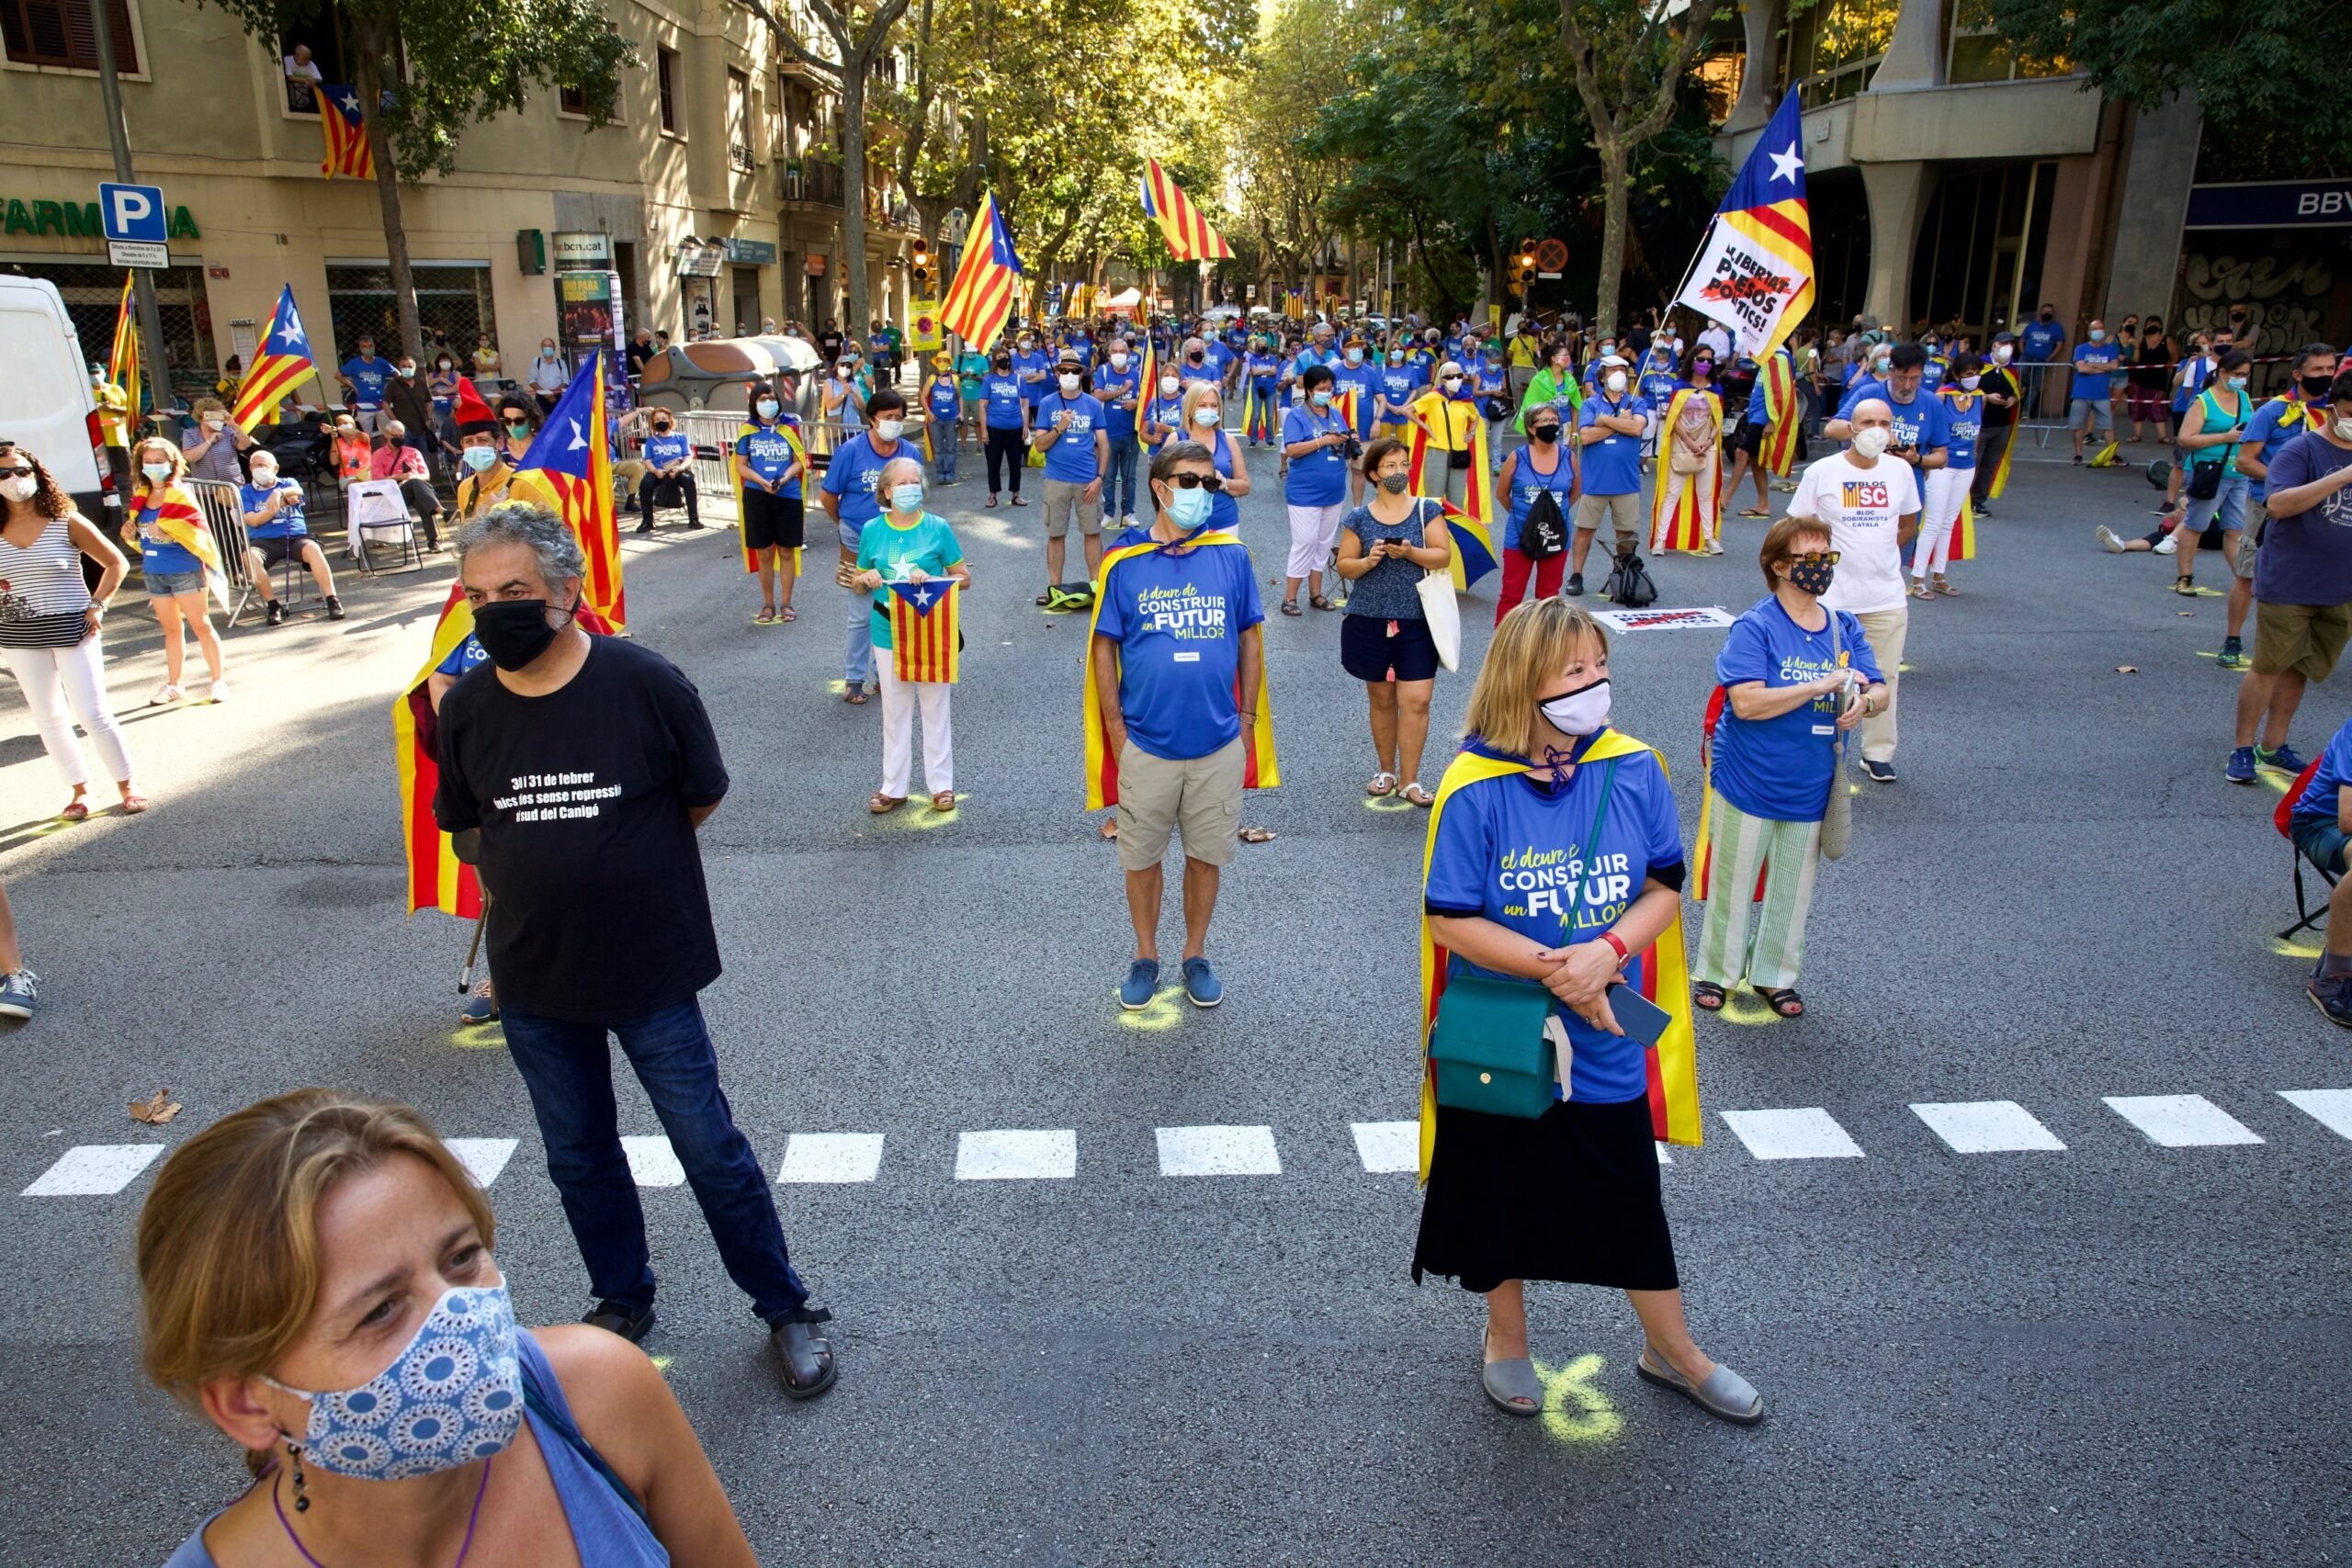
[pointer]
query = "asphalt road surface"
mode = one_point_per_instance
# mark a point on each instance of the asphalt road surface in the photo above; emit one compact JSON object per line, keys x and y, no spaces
{"x":1181,"y":1330}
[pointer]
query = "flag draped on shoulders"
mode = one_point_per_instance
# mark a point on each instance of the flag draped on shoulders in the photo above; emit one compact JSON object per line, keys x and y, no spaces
{"x":569,"y":469}
{"x":2009,"y":388}
{"x":1959,"y":400}
{"x":1684,"y":507}
{"x":792,"y":434}
{"x":1478,"y":483}
{"x":1672,"y":1067}
{"x":284,"y":364}
{"x":182,"y":521}
{"x":1783,"y":414}
{"x":1260,"y":771}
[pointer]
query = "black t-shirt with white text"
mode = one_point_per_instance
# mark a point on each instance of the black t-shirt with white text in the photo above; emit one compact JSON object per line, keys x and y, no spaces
{"x":599,"y":908}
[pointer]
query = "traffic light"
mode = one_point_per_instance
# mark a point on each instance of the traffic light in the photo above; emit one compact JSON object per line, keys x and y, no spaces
{"x":1522,"y":272}
{"x":921,"y":265}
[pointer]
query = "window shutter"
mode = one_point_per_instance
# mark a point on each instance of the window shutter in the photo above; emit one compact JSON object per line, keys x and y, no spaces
{"x":58,"y":32}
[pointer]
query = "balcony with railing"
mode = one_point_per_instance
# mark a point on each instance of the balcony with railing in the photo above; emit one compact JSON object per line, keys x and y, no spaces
{"x":810,"y":184}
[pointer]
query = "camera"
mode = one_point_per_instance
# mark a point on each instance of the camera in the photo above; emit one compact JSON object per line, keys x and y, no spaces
{"x":1353,"y":449}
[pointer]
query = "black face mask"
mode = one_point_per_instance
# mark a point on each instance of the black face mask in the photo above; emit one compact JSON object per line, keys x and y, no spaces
{"x":2315,"y":387}
{"x":1004,"y":364}
{"x":1811,"y":579}
{"x":1543,"y":434}
{"x":513,"y":632}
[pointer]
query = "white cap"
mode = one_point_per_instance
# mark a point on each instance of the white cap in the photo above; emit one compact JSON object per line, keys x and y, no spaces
{"x":1614,"y":359}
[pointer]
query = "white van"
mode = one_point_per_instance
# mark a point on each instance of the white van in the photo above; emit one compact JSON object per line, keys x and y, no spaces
{"x":45,"y":397}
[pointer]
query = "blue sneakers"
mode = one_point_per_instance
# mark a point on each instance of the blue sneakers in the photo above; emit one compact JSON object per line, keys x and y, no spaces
{"x":2332,"y":994}
{"x":2283,"y":759}
{"x":2241,"y":768}
{"x":481,"y":1005}
{"x":1143,"y":984}
{"x":19,"y":995}
{"x":1201,"y":983}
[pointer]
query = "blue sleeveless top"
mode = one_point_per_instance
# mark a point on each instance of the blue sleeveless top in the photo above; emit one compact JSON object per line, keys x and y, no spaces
{"x":1526,"y":484}
{"x":606,"y":1529}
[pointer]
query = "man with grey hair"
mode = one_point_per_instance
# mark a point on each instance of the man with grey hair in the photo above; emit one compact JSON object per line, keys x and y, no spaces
{"x":576,"y":770}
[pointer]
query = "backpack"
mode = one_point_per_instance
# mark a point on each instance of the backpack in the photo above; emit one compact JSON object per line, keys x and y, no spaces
{"x":1544,"y":534}
{"x":1630,"y":587}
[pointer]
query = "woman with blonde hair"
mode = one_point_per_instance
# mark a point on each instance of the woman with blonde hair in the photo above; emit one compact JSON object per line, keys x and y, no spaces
{"x":1555,"y":864}
{"x":179,"y":563}
{"x":322,"y":1242}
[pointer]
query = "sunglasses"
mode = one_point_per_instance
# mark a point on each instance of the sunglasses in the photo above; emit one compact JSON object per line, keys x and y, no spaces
{"x":1211,"y":483}
{"x":1814,"y":558}
{"x":16,"y":473}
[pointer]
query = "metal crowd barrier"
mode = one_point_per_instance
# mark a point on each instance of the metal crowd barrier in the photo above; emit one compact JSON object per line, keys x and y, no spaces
{"x":224,"y":515}
{"x":712,"y":434}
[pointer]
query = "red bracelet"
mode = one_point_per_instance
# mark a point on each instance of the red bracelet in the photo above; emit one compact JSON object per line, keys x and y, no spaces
{"x":1623,"y":957}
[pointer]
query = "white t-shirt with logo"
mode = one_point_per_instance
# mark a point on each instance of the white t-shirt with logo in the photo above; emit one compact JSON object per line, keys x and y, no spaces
{"x":1863,"y":509}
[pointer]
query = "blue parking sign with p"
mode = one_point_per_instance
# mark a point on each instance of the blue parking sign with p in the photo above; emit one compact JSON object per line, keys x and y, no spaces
{"x":132,"y":212}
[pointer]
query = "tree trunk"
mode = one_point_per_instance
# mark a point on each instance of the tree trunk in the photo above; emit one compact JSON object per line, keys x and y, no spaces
{"x":368,"y":80}
{"x":853,"y":188}
{"x":1612,"y":234}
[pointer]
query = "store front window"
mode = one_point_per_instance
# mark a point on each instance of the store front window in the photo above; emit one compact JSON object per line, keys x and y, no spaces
{"x":1978,"y":261}
{"x":452,"y":301}
{"x":93,"y":292}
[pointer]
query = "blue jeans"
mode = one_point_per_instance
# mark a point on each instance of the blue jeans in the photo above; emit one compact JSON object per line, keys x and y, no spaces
{"x":2228,"y":502}
{"x":569,"y":1072}
{"x":1119,"y":485}
{"x":943,"y":461}
{"x":857,"y":657}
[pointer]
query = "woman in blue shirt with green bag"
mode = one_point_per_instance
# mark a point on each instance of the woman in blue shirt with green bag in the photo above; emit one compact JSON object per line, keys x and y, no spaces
{"x":1554,"y":871}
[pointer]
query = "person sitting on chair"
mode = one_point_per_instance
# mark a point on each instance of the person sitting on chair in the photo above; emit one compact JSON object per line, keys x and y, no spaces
{"x":276,"y":532}
{"x":395,"y":459}
{"x":2321,"y":822}
{"x":669,"y":459}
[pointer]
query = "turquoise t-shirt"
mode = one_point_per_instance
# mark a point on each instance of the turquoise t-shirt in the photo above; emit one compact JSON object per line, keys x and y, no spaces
{"x":882,"y":546}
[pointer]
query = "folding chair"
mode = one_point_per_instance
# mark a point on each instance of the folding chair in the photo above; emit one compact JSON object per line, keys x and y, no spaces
{"x":2283,"y":818}
{"x":373,"y":509}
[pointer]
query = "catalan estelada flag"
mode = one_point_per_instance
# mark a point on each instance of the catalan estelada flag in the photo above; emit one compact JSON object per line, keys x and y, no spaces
{"x":1259,"y":770}
{"x":1783,"y":414}
{"x":924,"y":643}
{"x":122,"y":364}
{"x":1188,"y":233}
{"x":1755,"y":271}
{"x":568,"y":471}
{"x":985,"y":281}
{"x":283,"y":364}
{"x":347,"y":134}
{"x":1672,"y":1067}
{"x":183,"y":523}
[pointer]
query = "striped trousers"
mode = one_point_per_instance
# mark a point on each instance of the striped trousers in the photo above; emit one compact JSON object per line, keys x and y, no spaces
{"x":1763,"y":940}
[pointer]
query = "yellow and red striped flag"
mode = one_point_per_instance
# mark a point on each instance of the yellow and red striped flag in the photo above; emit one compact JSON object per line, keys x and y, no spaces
{"x":568,"y":471}
{"x":981,"y":296}
{"x":122,"y":364}
{"x":347,"y":134}
{"x":924,"y":643}
{"x":1188,"y":236}
{"x":285,"y":364}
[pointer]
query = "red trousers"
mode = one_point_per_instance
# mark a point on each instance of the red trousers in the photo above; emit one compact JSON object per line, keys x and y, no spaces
{"x":1548,"y":575}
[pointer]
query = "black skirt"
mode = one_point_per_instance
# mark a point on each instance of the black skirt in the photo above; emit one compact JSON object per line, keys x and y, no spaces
{"x":1572,"y":1195}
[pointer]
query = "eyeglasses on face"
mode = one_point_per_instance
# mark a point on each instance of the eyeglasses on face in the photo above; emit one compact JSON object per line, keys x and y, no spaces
{"x":1197,"y":481}
{"x":18,"y":473}
{"x":1814,"y":558}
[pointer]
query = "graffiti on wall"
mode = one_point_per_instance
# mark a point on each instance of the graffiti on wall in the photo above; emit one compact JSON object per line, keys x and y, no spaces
{"x":2287,"y":298}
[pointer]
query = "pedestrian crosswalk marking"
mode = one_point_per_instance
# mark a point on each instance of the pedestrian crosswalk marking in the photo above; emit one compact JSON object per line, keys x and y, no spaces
{"x":2181,"y":1121}
{"x":653,"y":1163}
{"x":2331,"y":1108}
{"x":1218,"y":1151}
{"x":1387,"y":1146}
{"x":1986,"y":1126}
{"x":1012,"y":1155}
{"x":1807,"y":1134}
{"x":482,"y":1157}
{"x":93,"y":1170}
{"x":831,"y":1157}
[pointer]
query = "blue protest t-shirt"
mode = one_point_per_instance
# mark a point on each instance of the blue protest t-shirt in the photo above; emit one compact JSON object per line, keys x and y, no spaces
{"x":1070,"y":460}
{"x":1361,"y":379}
{"x":1923,"y":423}
{"x":941,"y":400}
{"x":1400,"y":384}
{"x":1780,"y":768}
{"x":1963,"y":423}
{"x":1261,"y":369}
{"x":158,"y":551}
{"x":2095,"y":366}
{"x":1219,"y":355}
{"x":1660,"y":380}
{"x":852,"y":474}
{"x":1035,"y":362}
{"x":463,"y":656}
{"x":1110,"y":386}
{"x":663,"y":450}
{"x":2306,"y":557}
{"x":2335,"y":771}
{"x":1758,"y":412}
{"x":290,"y":520}
{"x":1612,"y":465}
{"x":367,"y":378}
{"x":1002,"y":390}
{"x":1321,"y":478}
{"x":2040,"y":340}
{"x":767,"y":451}
{"x":2274,"y":425}
{"x":1187,"y":373}
{"x":1178,"y":618}
{"x":1521,"y":853}
{"x":1931,"y":375}
{"x":2194,"y":371}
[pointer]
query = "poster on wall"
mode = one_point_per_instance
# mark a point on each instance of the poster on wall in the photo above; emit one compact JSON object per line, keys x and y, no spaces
{"x":587,"y":308}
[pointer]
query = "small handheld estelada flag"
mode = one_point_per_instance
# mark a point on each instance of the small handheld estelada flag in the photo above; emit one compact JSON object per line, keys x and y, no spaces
{"x":926,"y":641}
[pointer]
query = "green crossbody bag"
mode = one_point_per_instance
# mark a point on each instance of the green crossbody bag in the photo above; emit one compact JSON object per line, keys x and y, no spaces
{"x":1487,"y":1042}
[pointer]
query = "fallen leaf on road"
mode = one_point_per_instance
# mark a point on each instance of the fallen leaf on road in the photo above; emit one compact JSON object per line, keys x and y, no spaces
{"x":157,"y":1110}
{"x":2127,"y":670}
{"x":2184,"y":614}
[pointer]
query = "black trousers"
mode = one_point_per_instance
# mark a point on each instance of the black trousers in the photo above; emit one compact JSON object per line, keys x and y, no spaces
{"x":1991,"y":441}
{"x":422,"y":502}
{"x":1007,"y":448}
{"x":651,"y":482}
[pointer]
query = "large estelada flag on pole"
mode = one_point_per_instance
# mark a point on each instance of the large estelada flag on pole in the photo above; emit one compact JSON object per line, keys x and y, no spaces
{"x":1755,"y":271}
{"x":981,"y":296}
{"x":923,"y":640}
{"x":569,"y":469}
{"x":123,"y":363}
{"x":1188,"y":236}
{"x":284,"y":364}
{"x":346,"y":132}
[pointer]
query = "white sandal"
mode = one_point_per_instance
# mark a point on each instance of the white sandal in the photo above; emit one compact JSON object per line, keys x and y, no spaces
{"x":1381,"y":784}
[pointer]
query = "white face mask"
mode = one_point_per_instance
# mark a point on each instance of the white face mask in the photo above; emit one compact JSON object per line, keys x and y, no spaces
{"x":1069,"y":381}
{"x":2001,"y":353}
{"x":2343,"y":433}
{"x":1452,"y":383}
{"x":1118,"y":362}
{"x":889,"y":429}
{"x":214,"y":421}
{"x":1615,"y":382}
{"x":19,"y":488}
{"x":1584,"y":711}
{"x":1968,"y":383}
{"x":1167,"y":386}
{"x":1871,"y":440}
{"x":264,"y":478}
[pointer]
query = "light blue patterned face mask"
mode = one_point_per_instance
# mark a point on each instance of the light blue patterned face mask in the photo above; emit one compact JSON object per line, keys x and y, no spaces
{"x":454,"y":1396}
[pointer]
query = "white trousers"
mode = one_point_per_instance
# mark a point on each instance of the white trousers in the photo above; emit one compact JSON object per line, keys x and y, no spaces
{"x":56,"y":680}
{"x":1312,"y":530}
{"x":1938,"y":510}
{"x":899,"y":700}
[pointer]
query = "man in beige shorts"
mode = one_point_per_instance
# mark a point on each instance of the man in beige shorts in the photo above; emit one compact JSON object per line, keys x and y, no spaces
{"x":1178,"y":668}
{"x":1071,"y":430}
